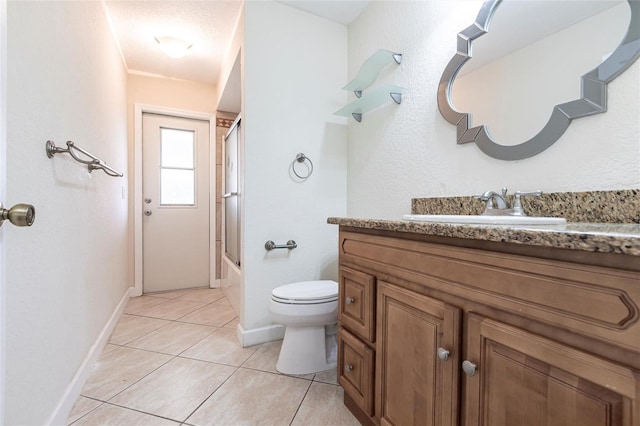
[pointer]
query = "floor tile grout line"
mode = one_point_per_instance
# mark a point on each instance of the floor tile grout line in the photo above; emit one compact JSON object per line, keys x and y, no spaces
{"x":276,"y":373}
{"x":198,"y":323}
{"x":151,"y":332}
{"x":146,"y":334}
{"x":88,"y":412}
{"x":195,"y":310}
{"x":133,"y":383}
{"x":210,"y":362}
{"x":210,"y":395}
{"x":140,"y":314}
{"x":300,"y":404}
{"x":143,"y":412}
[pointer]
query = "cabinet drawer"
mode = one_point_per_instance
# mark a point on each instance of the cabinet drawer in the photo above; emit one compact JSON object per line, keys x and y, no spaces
{"x":356,"y":303}
{"x":356,"y":370}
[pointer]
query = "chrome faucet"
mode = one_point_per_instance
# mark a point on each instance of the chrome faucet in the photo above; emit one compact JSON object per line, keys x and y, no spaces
{"x":497,"y":205}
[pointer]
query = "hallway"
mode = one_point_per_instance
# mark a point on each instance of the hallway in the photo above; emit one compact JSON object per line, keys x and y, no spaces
{"x":173,"y":359}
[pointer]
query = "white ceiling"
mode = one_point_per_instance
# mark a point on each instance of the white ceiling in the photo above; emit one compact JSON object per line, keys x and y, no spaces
{"x":208,"y":24}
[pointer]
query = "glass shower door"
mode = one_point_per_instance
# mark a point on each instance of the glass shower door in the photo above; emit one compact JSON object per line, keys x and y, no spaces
{"x":232,"y":195}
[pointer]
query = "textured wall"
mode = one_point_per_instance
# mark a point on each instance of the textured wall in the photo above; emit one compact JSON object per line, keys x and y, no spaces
{"x":303,"y":59}
{"x":67,"y":273}
{"x":406,"y":151}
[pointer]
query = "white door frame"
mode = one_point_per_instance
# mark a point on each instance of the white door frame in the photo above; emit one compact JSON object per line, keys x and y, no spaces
{"x":3,"y":194}
{"x":137,"y":186}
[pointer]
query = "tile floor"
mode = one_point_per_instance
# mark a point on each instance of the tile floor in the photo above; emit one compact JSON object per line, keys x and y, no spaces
{"x":174,"y":359}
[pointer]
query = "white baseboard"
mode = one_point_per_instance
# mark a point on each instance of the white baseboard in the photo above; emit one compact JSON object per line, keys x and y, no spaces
{"x":71,"y":394}
{"x":255,"y":336}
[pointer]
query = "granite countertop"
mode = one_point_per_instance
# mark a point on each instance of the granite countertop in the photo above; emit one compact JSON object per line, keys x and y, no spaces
{"x":617,"y":238}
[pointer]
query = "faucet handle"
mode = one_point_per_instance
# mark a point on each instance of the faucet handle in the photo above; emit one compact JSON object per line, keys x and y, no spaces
{"x":517,"y":204}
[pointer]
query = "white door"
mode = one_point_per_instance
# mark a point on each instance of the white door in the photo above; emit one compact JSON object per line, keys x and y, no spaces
{"x":175,"y":187}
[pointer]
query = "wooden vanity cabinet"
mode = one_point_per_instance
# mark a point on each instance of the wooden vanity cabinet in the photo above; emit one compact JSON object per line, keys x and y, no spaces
{"x":472,"y":336}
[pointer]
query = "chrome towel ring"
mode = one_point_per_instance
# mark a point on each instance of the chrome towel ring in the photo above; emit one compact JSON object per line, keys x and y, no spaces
{"x":301,"y":158}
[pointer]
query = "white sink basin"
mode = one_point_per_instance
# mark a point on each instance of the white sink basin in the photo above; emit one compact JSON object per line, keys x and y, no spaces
{"x":488,"y":220}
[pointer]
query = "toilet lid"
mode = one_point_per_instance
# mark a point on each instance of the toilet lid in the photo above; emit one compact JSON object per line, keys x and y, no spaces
{"x":307,"y":291}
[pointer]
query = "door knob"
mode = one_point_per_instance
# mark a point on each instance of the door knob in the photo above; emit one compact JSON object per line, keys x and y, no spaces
{"x":19,"y":215}
{"x":147,"y":212}
{"x":350,"y":300}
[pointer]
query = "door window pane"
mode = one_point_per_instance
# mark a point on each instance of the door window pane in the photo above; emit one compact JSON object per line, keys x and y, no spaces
{"x":177,"y":174}
{"x":177,"y":148}
{"x":177,"y":187}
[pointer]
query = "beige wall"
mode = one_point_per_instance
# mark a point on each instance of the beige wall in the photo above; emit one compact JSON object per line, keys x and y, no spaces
{"x":164,"y":93}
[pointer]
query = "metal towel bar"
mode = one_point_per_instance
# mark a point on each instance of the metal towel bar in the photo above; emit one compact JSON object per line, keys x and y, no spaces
{"x":93,"y":164}
{"x":270,"y":245}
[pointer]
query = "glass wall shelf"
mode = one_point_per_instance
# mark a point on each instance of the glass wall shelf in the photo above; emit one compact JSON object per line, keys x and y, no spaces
{"x":370,"y":70}
{"x":370,"y":100}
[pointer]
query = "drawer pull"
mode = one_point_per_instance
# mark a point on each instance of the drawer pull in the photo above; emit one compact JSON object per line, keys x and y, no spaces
{"x":443,"y":354}
{"x":350,"y":300}
{"x":469,"y":368}
{"x":348,"y":368}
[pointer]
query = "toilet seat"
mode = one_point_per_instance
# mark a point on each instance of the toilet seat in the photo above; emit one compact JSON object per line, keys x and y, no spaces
{"x":306,"y":292}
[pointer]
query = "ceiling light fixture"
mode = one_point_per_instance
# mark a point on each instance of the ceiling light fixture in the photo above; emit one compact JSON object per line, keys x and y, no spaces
{"x":174,"y":47}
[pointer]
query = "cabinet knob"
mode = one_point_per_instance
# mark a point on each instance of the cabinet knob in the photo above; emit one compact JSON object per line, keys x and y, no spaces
{"x":469,"y":368}
{"x":350,"y":300}
{"x":443,"y":354}
{"x":348,"y":368}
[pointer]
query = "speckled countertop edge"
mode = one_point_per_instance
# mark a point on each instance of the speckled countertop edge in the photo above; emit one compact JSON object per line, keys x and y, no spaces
{"x":592,"y":237}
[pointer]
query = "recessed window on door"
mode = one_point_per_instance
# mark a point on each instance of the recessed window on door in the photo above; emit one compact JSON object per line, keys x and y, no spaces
{"x":177,"y":167}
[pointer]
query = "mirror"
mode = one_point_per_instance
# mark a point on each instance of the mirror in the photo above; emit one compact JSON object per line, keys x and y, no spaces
{"x":514,"y":100}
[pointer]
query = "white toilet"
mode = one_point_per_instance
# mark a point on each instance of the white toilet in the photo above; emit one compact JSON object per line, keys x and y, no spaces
{"x":309,"y":312}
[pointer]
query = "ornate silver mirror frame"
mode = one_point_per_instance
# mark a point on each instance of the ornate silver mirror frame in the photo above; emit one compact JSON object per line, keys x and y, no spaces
{"x":593,"y":88}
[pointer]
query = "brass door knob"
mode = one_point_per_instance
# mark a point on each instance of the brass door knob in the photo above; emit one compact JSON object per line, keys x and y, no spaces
{"x":19,"y":215}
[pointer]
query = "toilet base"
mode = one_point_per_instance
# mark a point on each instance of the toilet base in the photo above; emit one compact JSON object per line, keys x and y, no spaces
{"x":307,"y":350}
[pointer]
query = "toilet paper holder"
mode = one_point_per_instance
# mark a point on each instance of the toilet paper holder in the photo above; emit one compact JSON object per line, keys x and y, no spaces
{"x":270,"y":245}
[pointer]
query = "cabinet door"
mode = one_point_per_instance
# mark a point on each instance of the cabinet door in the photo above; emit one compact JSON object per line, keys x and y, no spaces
{"x":527,"y":380}
{"x":416,"y":386}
